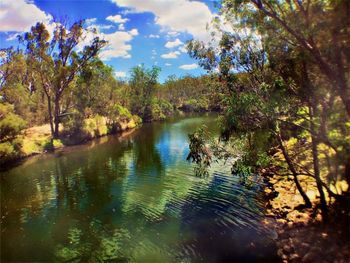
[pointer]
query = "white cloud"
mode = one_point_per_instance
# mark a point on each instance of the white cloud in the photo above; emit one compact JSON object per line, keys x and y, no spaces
{"x":167,"y":64}
{"x":20,"y":15}
{"x":120,"y":74}
{"x":90,"y":21}
{"x":98,"y":27}
{"x":105,"y":27}
{"x":171,"y":44}
{"x":118,"y":19}
{"x":118,"y":43}
{"x":189,"y":66}
{"x":173,"y":34}
{"x":153,"y":36}
{"x":12,"y":37}
{"x":121,"y":27}
{"x":171,"y":55}
{"x":175,"y":15}
{"x":183,"y":49}
{"x":134,"y":32}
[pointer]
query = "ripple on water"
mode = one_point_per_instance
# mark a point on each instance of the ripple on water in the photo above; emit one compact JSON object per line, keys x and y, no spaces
{"x":134,"y":199}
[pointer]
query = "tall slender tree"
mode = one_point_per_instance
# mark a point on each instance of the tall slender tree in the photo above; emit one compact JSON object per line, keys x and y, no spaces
{"x":56,"y":61}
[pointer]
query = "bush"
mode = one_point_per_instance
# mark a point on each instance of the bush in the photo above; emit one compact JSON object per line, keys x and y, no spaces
{"x":161,"y":109}
{"x":73,"y":124}
{"x":196,"y":105}
{"x":10,"y":151}
{"x":118,"y":114}
{"x":75,"y":129}
{"x":157,"y":113}
{"x":96,"y":126}
{"x":166,"y":107}
{"x":10,"y":123}
{"x":121,"y":113}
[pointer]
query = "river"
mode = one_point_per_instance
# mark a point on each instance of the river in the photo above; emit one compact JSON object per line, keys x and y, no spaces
{"x":132,"y":198}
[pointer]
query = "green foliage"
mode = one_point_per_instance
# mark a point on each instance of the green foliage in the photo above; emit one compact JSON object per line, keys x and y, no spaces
{"x":78,"y":95}
{"x":200,"y":152}
{"x":137,"y":120}
{"x":96,"y":90}
{"x":194,"y":93}
{"x":121,"y":113}
{"x":74,"y":124}
{"x":143,"y":84}
{"x":166,"y":107}
{"x":78,"y":129}
{"x":161,"y":109}
{"x":10,"y":123}
{"x":10,"y":150}
{"x":196,"y":105}
{"x":55,"y":62}
{"x":290,"y":87}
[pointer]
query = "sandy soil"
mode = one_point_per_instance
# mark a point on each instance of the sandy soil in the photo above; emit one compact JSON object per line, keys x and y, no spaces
{"x":302,"y":237}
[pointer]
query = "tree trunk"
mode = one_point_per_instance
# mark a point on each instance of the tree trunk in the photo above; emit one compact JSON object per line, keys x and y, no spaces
{"x":57,"y":116}
{"x":50,"y":115}
{"x":324,"y":207}
{"x":294,"y":172}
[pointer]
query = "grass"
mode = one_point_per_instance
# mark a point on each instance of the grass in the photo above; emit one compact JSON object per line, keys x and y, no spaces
{"x":38,"y":140}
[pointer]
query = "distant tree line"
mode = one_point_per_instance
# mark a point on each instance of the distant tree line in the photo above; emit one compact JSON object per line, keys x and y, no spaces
{"x":51,"y":79}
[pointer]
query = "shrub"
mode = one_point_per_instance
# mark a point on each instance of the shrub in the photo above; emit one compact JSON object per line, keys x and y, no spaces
{"x":197,"y":105}
{"x":10,"y":123}
{"x":161,"y":109}
{"x":157,"y":113}
{"x":166,"y":107}
{"x":73,"y":124}
{"x":10,"y":150}
{"x":121,"y":113}
{"x":118,"y":114}
{"x":137,"y":119}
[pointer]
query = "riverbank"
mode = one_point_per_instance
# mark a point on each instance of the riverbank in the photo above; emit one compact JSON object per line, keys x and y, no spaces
{"x":302,"y":236}
{"x":132,"y":198}
{"x":38,"y":140}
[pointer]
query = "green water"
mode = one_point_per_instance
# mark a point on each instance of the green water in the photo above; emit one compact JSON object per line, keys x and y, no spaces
{"x":131,"y":199}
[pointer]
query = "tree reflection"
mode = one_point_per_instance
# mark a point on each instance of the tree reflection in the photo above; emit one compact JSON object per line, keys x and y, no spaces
{"x":133,"y":199}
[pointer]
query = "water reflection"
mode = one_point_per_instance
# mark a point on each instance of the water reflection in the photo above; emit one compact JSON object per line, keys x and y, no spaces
{"x":130,"y":199}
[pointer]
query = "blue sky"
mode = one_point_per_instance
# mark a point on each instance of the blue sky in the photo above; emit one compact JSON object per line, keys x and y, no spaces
{"x":150,"y":32}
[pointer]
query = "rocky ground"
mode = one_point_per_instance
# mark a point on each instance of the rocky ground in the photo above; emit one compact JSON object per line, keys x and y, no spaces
{"x":302,"y":237}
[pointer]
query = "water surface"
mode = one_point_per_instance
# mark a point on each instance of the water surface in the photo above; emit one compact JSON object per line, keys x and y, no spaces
{"x":131,"y":199}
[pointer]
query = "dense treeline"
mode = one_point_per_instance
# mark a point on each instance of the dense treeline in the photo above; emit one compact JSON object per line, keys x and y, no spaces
{"x":288,"y":109}
{"x":52,"y":82}
{"x":193,"y":94}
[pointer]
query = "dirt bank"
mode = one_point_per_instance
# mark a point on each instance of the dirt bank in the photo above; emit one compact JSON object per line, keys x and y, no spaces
{"x":302,"y":237}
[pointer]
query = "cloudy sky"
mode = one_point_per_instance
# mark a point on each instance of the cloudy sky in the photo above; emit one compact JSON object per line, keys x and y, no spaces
{"x":152,"y":32}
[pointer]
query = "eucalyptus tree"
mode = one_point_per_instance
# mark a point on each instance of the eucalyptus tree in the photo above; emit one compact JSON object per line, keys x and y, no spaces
{"x":281,"y":90}
{"x":142,"y":85}
{"x":96,"y":89}
{"x":56,"y":61}
{"x":318,"y":27}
